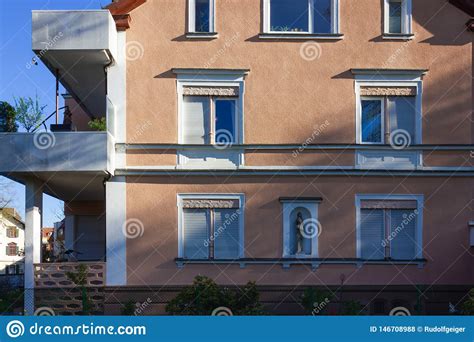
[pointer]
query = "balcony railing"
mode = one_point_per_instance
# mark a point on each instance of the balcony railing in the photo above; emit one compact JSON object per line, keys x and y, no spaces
{"x":55,"y":275}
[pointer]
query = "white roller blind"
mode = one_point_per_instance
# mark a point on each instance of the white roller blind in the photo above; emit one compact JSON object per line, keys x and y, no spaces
{"x":372,"y":233}
{"x":402,"y":112}
{"x":195,"y":120}
{"x":196,"y":225}
{"x":402,"y":232}
{"x":226,"y":233}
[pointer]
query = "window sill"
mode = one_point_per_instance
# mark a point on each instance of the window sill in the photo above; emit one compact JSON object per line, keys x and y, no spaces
{"x":202,"y":35}
{"x":300,"y":36}
{"x":287,"y":262}
{"x":398,"y":36}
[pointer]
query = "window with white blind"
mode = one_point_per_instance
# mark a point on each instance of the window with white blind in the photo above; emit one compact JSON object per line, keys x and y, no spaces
{"x":211,"y":227}
{"x":383,"y":116}
{"x":209,"y":120}
{"x":389,"y":228}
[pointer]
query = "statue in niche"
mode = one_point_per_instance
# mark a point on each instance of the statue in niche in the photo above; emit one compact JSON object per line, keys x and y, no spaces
{"x":299,"y":233}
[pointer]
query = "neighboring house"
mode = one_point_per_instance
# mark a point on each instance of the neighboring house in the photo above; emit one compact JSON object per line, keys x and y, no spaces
{"x":12,"y":242}
{"x":295,"y":143}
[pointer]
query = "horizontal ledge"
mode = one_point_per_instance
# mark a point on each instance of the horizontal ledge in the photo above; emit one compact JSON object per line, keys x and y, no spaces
{"x":300,"y":36}
{"x":300,"y":199}
{"x":202,"y":35}
{"x":381,"y":71}
{"x":296,"y":148}
{"x":389,"y":36}
{"x":301,"y":261}
{"x":205,"y":71}
{"x":174,"y":172}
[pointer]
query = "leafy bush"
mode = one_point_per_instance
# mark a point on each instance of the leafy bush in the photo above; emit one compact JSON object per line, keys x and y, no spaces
{"x":468,"y":305}
{"x":315,"y":301}
{"x":98,"y":124}
{"x":7,"y":118}
{"x":352,"y":308}
{"x":10,"y":300}
{"x":128,"y":309}
{"x":204,"y":296}
{"x":79,"y":278}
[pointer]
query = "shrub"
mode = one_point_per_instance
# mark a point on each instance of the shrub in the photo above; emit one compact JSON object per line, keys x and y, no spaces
{"x":204,"y":295}
{"x":315,"y":301}
{"x":468,"y":305}
{"x":7,"y":118}
{"x":98,"y":124}
{"x":352,"y":308}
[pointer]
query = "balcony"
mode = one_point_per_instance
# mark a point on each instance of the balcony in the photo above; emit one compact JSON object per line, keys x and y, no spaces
{"x":77,"y":46}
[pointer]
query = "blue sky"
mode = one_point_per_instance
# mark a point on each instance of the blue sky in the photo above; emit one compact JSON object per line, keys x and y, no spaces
{"x":19,"y":78}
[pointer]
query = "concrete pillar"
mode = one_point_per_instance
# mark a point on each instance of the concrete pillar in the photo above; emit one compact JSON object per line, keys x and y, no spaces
{"x":33,"y":224}
{"x":116,"y":241}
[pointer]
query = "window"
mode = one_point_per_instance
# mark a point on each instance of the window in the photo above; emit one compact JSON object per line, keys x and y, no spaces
{"x":201,"y":16}
{"x":11,"y":269}
{"x":389,"y":228}
{"x":397,"y":17}
{"x":301,"y":16}
{"x":301,"y":227}
{"x":382,"y":117}
{"x":209,"y":120}
{"x":12,"y":249}
{"x":210,"y":113}
{"x":211,"y":227}
{"x":12,"y":232}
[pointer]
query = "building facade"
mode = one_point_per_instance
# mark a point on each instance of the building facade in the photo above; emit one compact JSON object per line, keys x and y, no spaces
{"x":308,"y":143}
{"x":12,"y":242}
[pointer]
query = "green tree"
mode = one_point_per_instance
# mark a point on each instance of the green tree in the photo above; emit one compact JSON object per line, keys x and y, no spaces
{"x":204,"y":296}
{"x":7,"y":118}
{"x":28,"y":112}
{"x":80,"y":279}
{"x":98,"y":124}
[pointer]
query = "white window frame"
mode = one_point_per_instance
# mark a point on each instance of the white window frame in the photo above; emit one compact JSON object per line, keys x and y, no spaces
{"x":334,"y":19}
{"x":406,"y":18}
{"x":392,"y":197}
{"x":214,"y":80}
{"x":192,"y":17}
{"x":389,"y":80}
{"x":288,"y":206}
{"x":383,"y":102}
{"x":239,"y":197}
{"x":227,"y":158}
